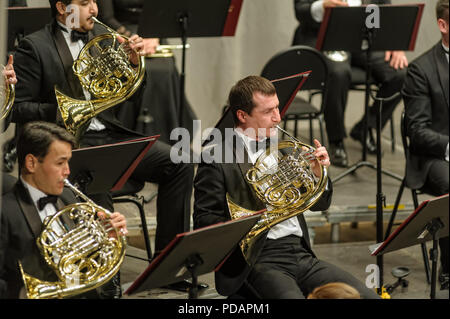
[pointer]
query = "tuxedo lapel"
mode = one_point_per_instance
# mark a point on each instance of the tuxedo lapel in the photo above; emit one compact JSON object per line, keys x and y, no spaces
{"x":67,"y":61}
{"x":442,"y":69}
{"x":244,"y":165}
{"x":28,"y":209}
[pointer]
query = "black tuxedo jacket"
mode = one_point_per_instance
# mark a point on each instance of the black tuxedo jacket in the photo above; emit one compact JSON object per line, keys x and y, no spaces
{"x":43,"y":61}
{"x":20,"y":227}
{"x":308,"y":29}
{"x":212,"y":183}
{"x":425,"y":94}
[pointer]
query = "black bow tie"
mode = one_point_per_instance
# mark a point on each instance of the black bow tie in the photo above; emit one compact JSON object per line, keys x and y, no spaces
{"x":51,"y":199}
{"x":77,"y":35}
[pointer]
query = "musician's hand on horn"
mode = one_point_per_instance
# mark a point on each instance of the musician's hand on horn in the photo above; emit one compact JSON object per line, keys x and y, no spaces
{"x":117,"y":221}
{"x":134,"y":47}
{"x":150,"y":45}
{"x":321,"y":156}
{"x":8,"y":71}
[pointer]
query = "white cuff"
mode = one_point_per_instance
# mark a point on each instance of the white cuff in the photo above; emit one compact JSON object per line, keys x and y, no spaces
{"x":317,"y":10}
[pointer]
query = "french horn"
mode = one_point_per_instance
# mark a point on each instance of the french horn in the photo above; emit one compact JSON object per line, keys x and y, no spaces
{"x":7,"y":95}
{"x":103,"y":68}
{"x":283,"y":180}
{"x":77,"y":247}
{"x":166,"y":50}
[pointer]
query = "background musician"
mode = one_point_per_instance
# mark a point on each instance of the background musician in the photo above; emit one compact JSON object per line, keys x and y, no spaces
{"x":44,"y":150}
{"x":388,"y":70}
{"x":425,"y":95}
{"x":282,"y":264}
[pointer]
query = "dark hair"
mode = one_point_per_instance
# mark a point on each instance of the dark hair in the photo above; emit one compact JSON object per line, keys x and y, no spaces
{"x":241,"y":94}
{"x":53,"y":5}
{"x":442,"y":9}
{"x":36,"y":137}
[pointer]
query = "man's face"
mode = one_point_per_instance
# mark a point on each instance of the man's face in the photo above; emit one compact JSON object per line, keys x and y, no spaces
{"x":264,"y":117}
{"x":48,"y":173}
{"x":81,"y":19}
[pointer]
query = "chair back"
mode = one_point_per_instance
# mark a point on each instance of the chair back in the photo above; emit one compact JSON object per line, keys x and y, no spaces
{"x":298,"y":59}
{"x":405,"y":141}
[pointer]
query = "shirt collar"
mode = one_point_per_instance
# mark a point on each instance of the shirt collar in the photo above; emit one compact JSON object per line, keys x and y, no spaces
{"x":35,"y":193}
{"x":64,"y":27}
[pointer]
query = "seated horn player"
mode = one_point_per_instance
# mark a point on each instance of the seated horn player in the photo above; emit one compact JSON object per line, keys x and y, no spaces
{"x":279,"y":264}
{"x":44,"y":150}
{"x":45,"y":59}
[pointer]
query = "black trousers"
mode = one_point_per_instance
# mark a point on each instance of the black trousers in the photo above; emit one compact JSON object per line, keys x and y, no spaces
{"x":175,"y":184}
{"x":389,"y":79}
{"x":285,"y":269}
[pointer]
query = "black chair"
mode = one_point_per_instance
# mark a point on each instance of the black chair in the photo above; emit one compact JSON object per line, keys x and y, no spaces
{"x":414,"y":193}
{"x":298,"y":59}
{"x":129,"y":194}
{"x":358,"y":83}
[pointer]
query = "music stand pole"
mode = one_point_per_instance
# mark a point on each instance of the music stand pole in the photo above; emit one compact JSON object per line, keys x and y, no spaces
{"x":369,"y":41}
{"x":183,"y":20}
{"x":192,"y":262}
{"x":433,"y":228}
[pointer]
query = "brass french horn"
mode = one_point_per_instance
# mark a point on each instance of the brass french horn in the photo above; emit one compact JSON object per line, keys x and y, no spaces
{"x":103,"y":68}
{"x":283,"y":180}
{"x":77,"y":247}
{"x":166,"y":50}
{"x":7,"y":95}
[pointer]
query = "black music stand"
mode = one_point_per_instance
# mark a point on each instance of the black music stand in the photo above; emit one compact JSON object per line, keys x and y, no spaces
{"x":100,"y":169}
{"x":188,"y":18}
{"x":192,"y":254}
{"x":394,"y":33}
{"x":23,"y":21}
{"x":428,"y":222}
{"x":106,"y":168}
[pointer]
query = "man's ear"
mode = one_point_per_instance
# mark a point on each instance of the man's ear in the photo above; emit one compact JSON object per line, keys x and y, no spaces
{"x":61,"y":7}
{"x":242,"y":116}
{"x":30,"y":163}
{"x":443,"y":25}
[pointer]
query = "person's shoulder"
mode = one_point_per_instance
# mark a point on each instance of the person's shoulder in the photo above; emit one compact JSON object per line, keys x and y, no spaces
{"x":37,"y":39}
{"x":426,"y":57}
{"x":9,"y":199}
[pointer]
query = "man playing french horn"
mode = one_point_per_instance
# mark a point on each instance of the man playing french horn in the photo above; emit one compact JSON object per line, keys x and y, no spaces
{"x":44,"y":150}
{"x":277,"y":262}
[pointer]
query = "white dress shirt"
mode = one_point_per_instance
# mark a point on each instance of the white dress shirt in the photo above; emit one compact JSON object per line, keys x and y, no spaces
{"x":75,"y":48}
{"x":48,"y":210}
{"x":317,"y":9}
{"x":288,"y":227}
